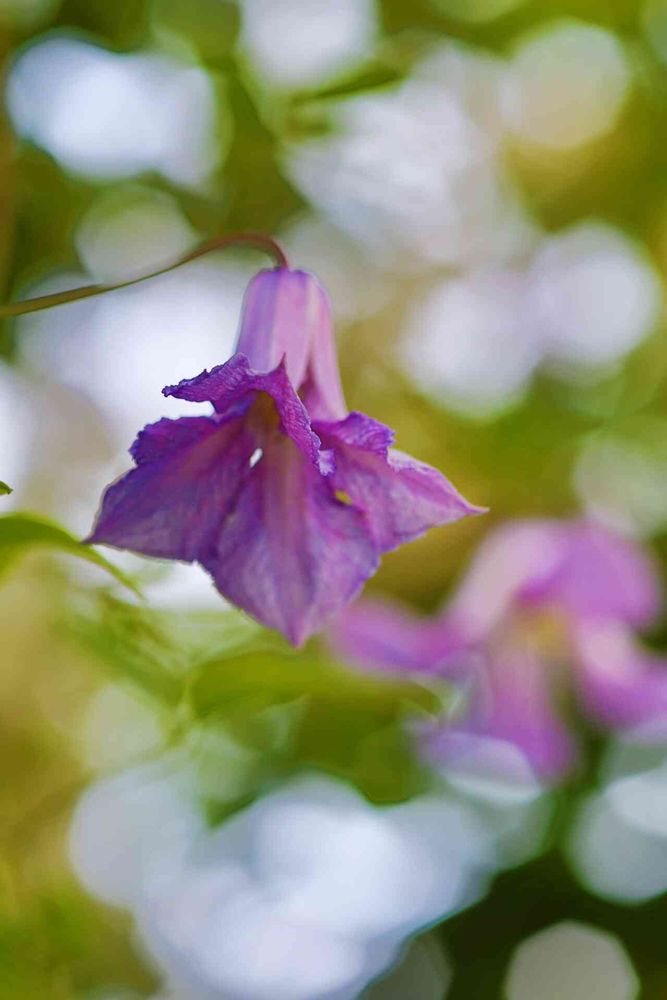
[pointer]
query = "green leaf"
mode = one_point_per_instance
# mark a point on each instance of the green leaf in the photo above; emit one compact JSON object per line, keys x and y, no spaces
{"x":259,"y":677}
{"x":21,"y":532}
{"x":156,"y":650}
{"x":133,"y":644}
{"x":4,"y":488}
{"x":60,"y":943}
{"x":349,"y":723}
{"x":376,"y":755}
{"x":372,"y":77}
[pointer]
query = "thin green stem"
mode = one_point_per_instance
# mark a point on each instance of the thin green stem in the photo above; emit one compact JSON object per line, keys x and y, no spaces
{"x":257,"y":240}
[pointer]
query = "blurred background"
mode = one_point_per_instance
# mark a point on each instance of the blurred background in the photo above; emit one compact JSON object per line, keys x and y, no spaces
{"x":482,"y":187}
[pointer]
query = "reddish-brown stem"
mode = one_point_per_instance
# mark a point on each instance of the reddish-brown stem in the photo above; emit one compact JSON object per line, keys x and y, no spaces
{"x":258,"y":240}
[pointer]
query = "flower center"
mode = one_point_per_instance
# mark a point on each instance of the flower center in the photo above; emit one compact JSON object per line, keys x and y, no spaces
{"x":542,"y":630}
{"x":264,"y":422}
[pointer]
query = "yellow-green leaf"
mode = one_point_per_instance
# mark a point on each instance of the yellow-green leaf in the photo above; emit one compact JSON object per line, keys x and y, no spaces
{"x":21,"y":532}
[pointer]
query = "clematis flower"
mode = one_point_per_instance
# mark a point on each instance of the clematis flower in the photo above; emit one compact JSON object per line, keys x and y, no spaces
{"x":546,"y":615}
{"x":284,"y":497}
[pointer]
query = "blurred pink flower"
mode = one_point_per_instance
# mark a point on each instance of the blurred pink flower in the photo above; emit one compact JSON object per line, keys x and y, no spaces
{"x":548,"y":609}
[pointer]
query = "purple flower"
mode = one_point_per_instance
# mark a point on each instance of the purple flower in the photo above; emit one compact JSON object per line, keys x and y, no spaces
{"x":282,"y":495}
{"x":547,"y":610}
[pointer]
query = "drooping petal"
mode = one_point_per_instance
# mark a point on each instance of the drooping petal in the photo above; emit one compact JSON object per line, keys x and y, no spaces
{"x":512,"y":560}
{"x":234,"y":385}
{"x":602,"y":575}
{"x":517,"y":706}
{"x":620,"y":683}
{"x":166,"y":436}
{"x":322,"y":391}
{"x":188,"y":475}
{"x":254,"y":494}
{"x":190,"y":470}
{"x":401,"y":497}
{"x":379,"y":635}
{"x":578,"y":567}
{"x":245,"y":494}
{"x":291,"y":554}
{"x":288,"y":314}
{"x":280,"y":308}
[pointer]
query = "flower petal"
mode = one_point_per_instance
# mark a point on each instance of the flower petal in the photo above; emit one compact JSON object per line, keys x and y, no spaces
{"x":322,"y":391}
{"x":401,"y":497}
{"x":517,"y":706}
{"x":576,"y":566}
{"x":602,"y":575}
{"x":620,"y":683}
{"x":511,"y":559}
{"x":165,"y":436}
{"x":233,"y":385}
{"x":171,"y":506}
{"x":291,"y":554}
{"x":280,"y":307}
{"x":381,"y":635}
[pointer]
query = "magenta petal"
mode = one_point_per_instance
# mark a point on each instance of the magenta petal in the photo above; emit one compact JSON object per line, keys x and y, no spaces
{"x":172,"y":504}
{"x":279,"y":308}
{"x":620,"y":683}
{"x":401,"y":497}
{"x":234,"y":384}
{"x":576,"y":566}
{"x":600,"y":575}
{"x":384,"y":636}
{"x":515,"y":559}
{"x":287,"y":314}
{"x":291,"y":554}
{"x":167,"y":436}
{"x":322,"y":391}
{"x":517,"y":706}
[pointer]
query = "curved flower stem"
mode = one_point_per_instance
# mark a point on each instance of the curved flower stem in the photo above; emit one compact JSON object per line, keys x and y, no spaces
{"x":257,"y":240}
